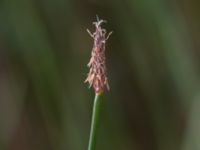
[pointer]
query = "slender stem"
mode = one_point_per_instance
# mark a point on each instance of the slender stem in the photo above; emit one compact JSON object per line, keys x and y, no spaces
{"x":95,"y":121}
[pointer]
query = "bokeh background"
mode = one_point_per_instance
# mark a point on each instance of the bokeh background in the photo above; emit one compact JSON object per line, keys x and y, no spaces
{"x":153,"y":68}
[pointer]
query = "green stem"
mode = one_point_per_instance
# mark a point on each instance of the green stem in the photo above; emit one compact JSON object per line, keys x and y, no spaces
{"x":95,"y":121}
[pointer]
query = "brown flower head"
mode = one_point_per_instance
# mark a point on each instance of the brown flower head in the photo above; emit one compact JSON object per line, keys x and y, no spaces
{"x":97,"y":76}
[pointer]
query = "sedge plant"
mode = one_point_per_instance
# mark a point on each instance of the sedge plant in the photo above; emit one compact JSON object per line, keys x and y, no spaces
{"x":97,"y":76}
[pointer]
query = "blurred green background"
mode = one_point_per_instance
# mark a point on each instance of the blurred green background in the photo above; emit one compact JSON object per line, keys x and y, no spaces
{"x":153,"y":69}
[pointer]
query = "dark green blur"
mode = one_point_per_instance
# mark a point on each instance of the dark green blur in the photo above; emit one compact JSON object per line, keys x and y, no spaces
{"x":153,"y":60}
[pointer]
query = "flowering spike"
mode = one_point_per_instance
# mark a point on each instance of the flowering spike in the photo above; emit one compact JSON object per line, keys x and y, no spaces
{"x":97,"y":76}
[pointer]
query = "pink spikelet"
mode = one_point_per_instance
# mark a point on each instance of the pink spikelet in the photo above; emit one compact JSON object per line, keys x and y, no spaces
{"x":97,"y":76}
